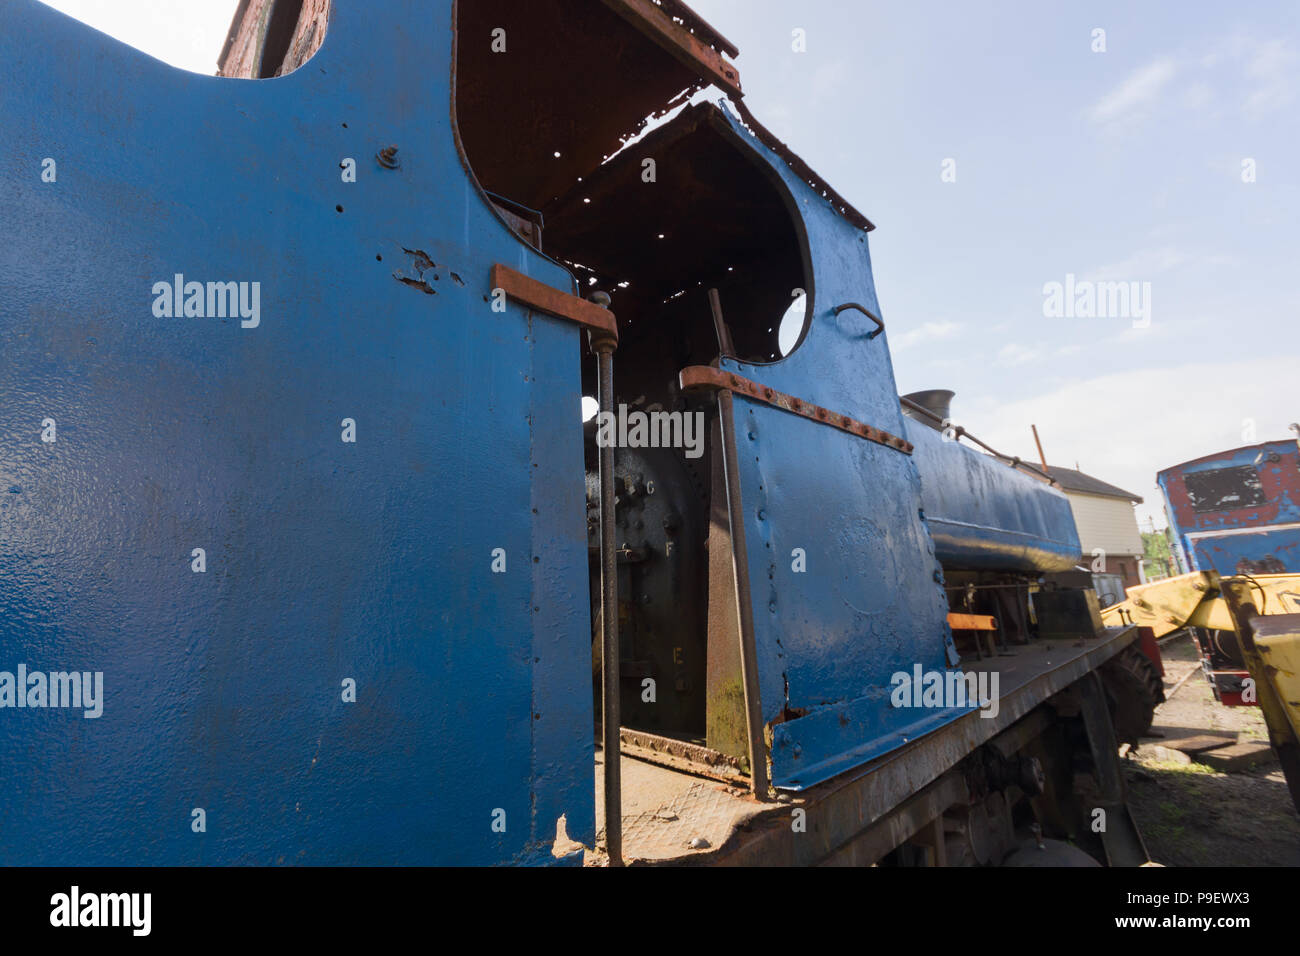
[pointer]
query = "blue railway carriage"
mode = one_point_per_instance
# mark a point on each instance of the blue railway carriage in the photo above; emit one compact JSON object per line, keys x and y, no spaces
{"x":1237,"y":511}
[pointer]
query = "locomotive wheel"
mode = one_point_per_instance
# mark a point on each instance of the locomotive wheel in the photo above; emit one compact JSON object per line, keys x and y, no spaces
{"x":1133,"y":689}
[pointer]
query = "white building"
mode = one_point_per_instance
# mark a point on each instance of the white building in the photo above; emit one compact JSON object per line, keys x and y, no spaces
{"x":1107,"y":523}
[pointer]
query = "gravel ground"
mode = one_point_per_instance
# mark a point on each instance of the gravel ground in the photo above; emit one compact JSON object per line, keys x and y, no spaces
{"x":1190,"y":815}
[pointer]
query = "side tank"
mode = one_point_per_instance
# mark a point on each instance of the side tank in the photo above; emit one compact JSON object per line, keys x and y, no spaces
{"x":985,"y":515}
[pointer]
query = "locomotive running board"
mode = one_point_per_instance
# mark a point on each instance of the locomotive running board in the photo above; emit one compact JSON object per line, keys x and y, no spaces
{"x":843,"y":812}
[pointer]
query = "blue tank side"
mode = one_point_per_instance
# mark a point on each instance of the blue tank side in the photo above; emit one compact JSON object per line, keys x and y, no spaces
{"x":985,"y":515}
{"x":326,"y":560}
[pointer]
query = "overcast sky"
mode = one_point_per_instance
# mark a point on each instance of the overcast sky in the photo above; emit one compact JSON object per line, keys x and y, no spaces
{"x":1120,"y":165}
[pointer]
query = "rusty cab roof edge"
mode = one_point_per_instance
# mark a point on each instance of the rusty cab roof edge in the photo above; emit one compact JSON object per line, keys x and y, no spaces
{"x":801,"y":168}
{"x":1222,"y":456}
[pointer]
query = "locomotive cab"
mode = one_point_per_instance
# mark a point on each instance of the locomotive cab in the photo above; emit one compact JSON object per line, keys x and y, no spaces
{"x":654,"y":222}
{"x":740,"y":626}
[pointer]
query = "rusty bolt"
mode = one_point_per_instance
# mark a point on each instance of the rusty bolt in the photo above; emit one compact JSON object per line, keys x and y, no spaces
{"x":388,"y":157}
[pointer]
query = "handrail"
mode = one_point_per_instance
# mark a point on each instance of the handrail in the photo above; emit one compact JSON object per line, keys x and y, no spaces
{"x":880,"y":323}
{"x":1012,"y":460}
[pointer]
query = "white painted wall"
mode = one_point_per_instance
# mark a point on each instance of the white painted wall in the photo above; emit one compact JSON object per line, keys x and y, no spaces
{"x":1106,"y":523}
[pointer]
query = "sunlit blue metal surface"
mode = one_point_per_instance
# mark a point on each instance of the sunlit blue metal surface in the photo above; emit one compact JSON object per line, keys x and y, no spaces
{"x":985,"y":515}
{"x":325,"y":560}
{"x":870,"y":603}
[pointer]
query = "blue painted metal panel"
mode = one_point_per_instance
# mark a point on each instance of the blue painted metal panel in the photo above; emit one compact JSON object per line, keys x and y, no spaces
{"x":871,"y":602}
{"x":325,"y":560}
{"x":1258,"y":536}
{"x":1254,"y":551}
{"x":985,"y":515}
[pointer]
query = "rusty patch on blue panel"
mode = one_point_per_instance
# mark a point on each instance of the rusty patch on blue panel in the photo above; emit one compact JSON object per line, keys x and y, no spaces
{"x":422,"y":270}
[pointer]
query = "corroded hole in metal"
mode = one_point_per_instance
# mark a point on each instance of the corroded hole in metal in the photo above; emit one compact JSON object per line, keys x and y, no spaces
{"x":417,"y":284}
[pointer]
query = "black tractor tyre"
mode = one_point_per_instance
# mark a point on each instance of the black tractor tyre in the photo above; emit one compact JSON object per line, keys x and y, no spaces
{"x":1133,"y":689}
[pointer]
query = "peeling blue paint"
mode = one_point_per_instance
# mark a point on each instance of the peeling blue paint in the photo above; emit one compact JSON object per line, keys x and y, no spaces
{"x":1258,"y":536}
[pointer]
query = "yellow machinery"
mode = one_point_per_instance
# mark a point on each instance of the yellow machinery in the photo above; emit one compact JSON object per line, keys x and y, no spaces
{"x":1248,"y":621}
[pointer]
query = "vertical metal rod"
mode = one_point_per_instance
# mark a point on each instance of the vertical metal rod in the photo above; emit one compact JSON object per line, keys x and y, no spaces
{"x":1041,"y":457}
{"x":611,"y":716}
{"x":719,"y":325}
{"x":740,"y":568}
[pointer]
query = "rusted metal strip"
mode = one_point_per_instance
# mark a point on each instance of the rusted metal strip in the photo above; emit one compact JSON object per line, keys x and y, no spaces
{"x":679,"y":10}
{"x":543,"y":298}
{"x":705,"y":376}
{"x":802,"y":169}
{"x":972,"y":622}
{"x":683,"y":755}
{"x":689,"y":48}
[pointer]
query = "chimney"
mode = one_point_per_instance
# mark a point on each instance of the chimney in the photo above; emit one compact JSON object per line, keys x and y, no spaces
{"x":937,"y":401}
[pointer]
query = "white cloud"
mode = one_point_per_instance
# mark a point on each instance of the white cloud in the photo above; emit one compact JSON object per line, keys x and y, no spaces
{"x":1198,"y":97}
{"x":1263,"y":81}
{"x":830,"y":80}
{"x":1013,"y":353}
{"x":925,"y":333}
{"x":1268,"y":68}
{"x":1125,"y":426}
{"x":1135,"y":96}
{"x":1152,"y":265}
{"x":1140,"y":265}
